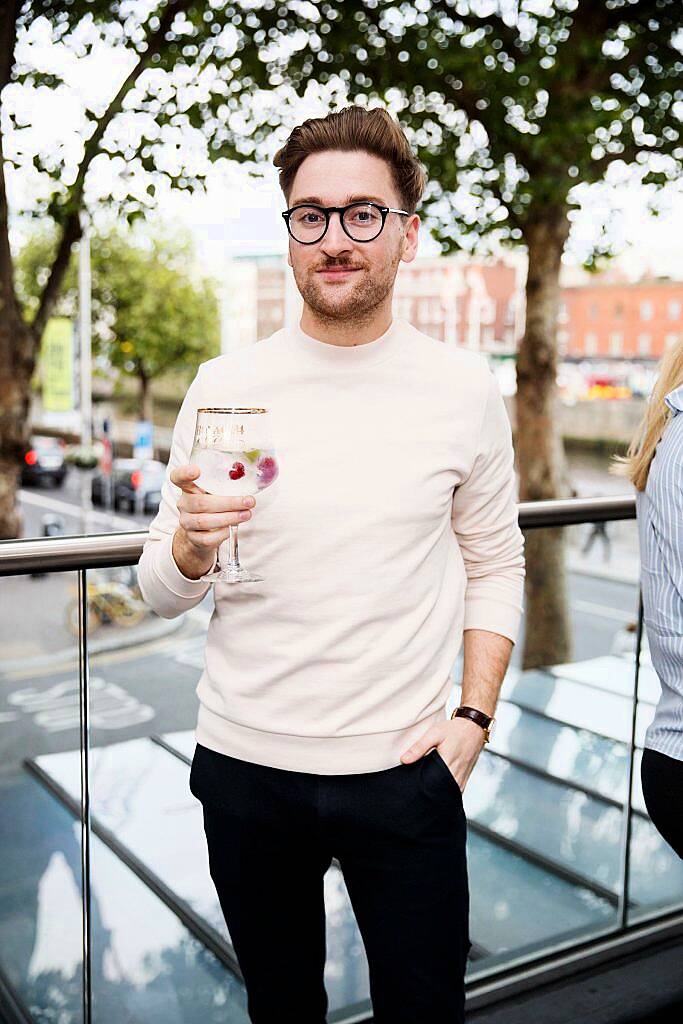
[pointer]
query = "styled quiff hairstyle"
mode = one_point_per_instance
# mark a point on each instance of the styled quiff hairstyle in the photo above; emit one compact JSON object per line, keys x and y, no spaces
{"x":349,"y":130}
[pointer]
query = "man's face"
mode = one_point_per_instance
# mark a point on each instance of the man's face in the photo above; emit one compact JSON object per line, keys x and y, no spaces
{"x":339,"y":279}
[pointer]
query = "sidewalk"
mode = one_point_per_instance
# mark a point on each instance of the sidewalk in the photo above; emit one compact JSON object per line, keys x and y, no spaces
{"x":623,"y":566}
{"x":107,"y":638}
{"x":34,"y":625}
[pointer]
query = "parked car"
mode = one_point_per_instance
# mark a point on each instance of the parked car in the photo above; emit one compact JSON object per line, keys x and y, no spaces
{"x":136,"y":485}
{"x":44,"y":461}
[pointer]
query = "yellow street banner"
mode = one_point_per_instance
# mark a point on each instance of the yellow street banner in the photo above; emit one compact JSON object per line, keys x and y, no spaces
{"x":57,"y":365}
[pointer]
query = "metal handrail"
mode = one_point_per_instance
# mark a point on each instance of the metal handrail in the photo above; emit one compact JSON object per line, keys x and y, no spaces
{"x":105,"y":550}
{"x":59,"y":554}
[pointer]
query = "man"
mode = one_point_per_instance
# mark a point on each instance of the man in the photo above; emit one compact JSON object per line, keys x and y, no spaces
{"x":390,"y":534}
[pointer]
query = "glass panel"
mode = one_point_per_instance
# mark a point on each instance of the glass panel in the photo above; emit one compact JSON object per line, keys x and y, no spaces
{"x":544,"y":805}
{"x":149,"y":853}
{"x":655,"y":870}
{"x":143,"y":680}
{"x":40,"y":855}
{"x":545,"y":801}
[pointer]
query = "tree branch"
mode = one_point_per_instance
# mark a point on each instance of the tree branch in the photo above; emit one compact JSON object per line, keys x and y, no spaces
{"x":72,"y":229}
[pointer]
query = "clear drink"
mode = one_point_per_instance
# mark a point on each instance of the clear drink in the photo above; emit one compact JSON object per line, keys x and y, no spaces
{"x":235,"y":472}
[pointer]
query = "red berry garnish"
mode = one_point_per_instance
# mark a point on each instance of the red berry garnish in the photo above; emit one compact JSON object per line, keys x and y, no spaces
{"x":237,"y":471}
{"x":267,"y":470}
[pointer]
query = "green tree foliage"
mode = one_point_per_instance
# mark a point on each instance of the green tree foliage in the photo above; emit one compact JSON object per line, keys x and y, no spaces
{"x":150,"y":314}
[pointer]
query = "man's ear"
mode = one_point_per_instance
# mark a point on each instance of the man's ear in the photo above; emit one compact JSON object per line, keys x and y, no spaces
{"x":409,"y":246}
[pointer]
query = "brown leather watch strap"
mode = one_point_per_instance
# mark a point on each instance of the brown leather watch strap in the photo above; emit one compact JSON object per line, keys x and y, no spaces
{"x":476,"y":716}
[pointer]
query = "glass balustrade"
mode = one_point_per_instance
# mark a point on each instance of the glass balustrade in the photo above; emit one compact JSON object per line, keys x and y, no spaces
{"x":557,"y":855}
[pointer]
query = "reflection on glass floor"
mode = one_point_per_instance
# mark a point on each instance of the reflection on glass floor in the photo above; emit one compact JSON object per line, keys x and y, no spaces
{"x":147,"y":967}
{"x":544,"y":818}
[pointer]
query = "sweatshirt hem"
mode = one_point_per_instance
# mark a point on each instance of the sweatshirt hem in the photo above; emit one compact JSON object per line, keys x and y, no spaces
{"x":320,"y":755}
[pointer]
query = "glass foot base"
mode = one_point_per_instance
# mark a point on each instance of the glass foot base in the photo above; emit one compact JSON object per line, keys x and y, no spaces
{"x":240,"y":575}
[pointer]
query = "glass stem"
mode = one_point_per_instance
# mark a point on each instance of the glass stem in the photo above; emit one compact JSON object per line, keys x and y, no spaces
{"x":233,"y":553}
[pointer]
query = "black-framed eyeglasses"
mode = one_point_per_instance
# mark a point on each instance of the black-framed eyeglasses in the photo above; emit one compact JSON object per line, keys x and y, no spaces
{"x":362,"y":222}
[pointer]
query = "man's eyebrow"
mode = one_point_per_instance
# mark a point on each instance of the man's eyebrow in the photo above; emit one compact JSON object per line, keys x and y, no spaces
{"x":349,"y":199}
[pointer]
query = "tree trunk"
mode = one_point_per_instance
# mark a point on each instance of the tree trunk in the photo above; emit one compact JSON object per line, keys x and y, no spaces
{"x":146,"y":401}
{"x":540,"y":451}
{"x":17,"y":361}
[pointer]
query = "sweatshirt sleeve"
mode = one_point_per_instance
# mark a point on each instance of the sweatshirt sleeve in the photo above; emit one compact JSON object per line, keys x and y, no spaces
{"x":485,"y":522}
{"x":163,"y":586}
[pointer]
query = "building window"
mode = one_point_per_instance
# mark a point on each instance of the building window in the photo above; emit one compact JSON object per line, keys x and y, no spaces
{"x":670,"y":339}
{"x":562,"y":342}
{"x":674,"y":309}
{"x":488,"y":311}
{"x":646,"y":310}
{"x":563,"y":314}
{"x":616,"y":340}
{"x":644,"y":344}
{"x":591,"y":344}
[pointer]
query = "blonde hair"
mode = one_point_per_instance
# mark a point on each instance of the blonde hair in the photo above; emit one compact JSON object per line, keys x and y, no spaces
{"x":636,"y":464}
{"x":355,"y":129}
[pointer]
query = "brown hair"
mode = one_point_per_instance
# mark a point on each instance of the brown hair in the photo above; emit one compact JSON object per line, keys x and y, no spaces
{"x":355,"y":129}
{"x":636,"y":465}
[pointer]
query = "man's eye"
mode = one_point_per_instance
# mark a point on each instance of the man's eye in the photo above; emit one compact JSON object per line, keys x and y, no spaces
{"x":307,"y":217}
{"x":364,"y":216}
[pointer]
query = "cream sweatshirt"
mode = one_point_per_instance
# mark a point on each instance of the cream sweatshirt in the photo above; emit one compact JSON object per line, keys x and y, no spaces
{"x":391,"y":528}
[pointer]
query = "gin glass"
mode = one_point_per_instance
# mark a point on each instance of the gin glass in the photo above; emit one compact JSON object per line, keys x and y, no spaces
{"x":233,"y":448}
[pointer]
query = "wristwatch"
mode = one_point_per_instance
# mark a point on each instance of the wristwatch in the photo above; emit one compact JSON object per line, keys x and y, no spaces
{"x":479,"y":717}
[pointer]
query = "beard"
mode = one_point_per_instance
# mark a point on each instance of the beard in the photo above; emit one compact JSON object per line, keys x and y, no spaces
{"x":354,"y":301}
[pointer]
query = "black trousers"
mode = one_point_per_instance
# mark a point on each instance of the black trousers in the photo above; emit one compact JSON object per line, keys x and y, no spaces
{"x":399,"y":836}
{"x":662,"y":778}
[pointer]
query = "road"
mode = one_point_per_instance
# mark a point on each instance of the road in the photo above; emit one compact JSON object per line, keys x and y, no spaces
{"x":66,"y":502}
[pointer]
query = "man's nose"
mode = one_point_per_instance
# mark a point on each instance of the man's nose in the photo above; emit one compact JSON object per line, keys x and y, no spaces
{"x":336,"y":240}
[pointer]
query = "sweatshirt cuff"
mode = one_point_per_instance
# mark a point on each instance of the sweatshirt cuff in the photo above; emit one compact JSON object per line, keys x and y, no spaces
{"x":170,"y":575}
{"x":495,"y":616}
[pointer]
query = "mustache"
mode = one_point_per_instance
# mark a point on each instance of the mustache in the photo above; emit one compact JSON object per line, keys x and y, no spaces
{"x":339,"y":266}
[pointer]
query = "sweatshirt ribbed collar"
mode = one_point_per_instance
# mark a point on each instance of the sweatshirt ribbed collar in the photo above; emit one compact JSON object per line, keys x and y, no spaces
{"x":347,"y":357}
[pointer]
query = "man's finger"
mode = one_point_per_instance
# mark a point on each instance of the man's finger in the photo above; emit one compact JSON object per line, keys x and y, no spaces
{"x":430,"y":739}
{"x":183,"y":477}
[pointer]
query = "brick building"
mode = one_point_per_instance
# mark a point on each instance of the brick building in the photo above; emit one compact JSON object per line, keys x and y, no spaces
{"x":611,"y":319}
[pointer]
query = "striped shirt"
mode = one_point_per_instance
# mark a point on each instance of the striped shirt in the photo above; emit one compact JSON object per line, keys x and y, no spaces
{"x":659,"y":510}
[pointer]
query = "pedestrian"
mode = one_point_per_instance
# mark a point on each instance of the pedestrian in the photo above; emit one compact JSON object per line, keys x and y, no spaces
{"x":598,"y":529}
{"x":654,"y":464}
{"x":389,"y":540}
